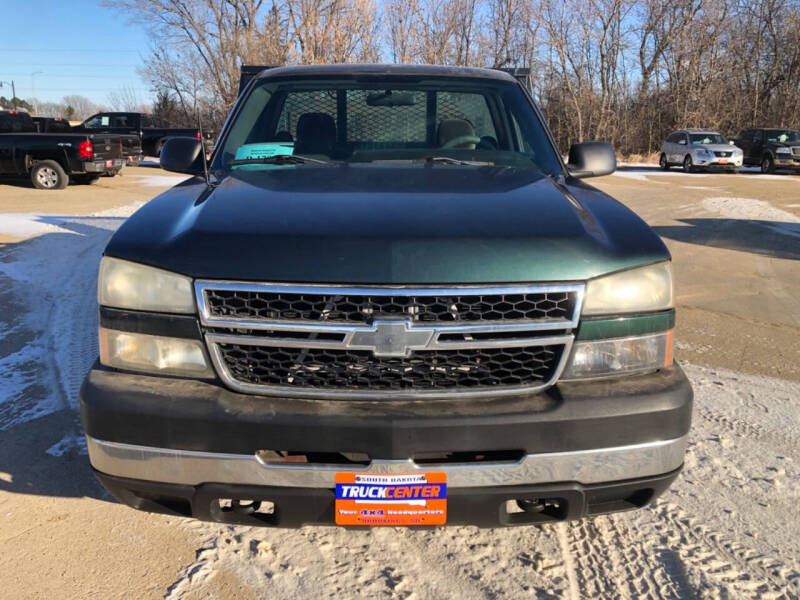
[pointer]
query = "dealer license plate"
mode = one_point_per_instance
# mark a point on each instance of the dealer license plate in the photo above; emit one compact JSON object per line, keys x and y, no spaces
{"x":391,"y":500}
{"x":723,"y":161}
{"x":109,"y":164}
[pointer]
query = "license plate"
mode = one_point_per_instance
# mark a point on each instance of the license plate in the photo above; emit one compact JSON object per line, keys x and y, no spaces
{"x":391,"y":500}
{"x":109,"y":164}
{"x":723,"y":161}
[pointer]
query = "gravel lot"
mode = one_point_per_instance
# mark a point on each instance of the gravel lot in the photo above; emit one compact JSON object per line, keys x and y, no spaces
{"x":729,"y":528}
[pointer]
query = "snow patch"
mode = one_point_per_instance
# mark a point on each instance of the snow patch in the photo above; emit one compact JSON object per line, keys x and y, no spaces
{"x":69,"y":443}
{"x":26,"y":225}
{"x":159,"y":180}
{"x":775,"y":219}
{"x":51,"y":316}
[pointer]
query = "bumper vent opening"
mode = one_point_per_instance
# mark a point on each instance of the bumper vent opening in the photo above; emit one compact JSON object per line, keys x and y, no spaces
{"x":291,"y":457}
{"x":536,"y":510}
{"x":455,"y":458}
{"x":242,"y":510}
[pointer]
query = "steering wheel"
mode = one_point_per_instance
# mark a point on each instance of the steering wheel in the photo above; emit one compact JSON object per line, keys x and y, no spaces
{"x":462,"y":139}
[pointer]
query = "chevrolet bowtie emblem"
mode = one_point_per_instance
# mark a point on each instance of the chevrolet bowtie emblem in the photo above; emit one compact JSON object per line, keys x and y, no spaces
{"x":391,"y":338}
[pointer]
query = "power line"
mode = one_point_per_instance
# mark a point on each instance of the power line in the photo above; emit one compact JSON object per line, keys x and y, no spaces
{"x":81,"y":65}
{"x":73,"y":76}
{"x":40,"y":50}
{"x":85,"y":89}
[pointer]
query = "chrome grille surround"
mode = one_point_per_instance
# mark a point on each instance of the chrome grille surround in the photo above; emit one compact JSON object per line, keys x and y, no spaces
{"x":380,"y":334}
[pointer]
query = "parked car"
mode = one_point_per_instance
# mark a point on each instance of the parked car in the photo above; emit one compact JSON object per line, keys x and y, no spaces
{"x":700,"y":149}
{"x":389,"y":302}
{"x":151,"y":138}
{"x":131,"y":146}
{"x":51,"y":159}
{"x":771,"y":148}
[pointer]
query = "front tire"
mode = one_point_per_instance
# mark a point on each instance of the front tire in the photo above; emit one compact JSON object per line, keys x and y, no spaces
{"x":767,"y":164}
{"x":662,"y":162}
{"x":688,"y":165}
{"x":48,"y":175}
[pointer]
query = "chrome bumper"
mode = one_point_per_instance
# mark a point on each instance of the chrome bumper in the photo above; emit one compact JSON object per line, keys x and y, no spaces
{"x":194,"y":468}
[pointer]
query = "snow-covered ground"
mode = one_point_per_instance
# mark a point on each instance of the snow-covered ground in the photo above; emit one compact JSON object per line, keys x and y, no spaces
{"x":729,"y":527}
{"x":647,"y":172}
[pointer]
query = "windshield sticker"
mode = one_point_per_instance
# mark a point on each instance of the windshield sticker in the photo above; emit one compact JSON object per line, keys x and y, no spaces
{"x":264,"y":150}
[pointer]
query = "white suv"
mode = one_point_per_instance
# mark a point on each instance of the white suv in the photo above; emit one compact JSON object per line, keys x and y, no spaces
{"x":699,"y":149}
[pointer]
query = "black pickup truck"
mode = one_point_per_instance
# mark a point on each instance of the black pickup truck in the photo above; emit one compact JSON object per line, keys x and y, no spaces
{"x":389,"y":302}
{"x":151,"y":138}
{"x":771,"y":148}
{"x":52,"y":159}
{"x":131,"y":144}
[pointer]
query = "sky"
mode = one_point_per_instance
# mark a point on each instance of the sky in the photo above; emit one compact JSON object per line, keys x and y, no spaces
{"x":54,"y":48}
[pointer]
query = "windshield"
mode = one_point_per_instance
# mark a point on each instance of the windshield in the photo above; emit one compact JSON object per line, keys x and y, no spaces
{"x":783,"y":135}
{"x":700,"y":139}
{"x":445,"y":121}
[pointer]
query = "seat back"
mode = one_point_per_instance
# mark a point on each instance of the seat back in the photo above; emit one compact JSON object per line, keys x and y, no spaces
{"x":316,"y":134}
{"x":450,"y":129}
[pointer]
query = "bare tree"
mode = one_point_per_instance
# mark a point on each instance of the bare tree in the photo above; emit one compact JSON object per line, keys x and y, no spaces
{"x":627,"y":71}
{"x":125,"y":99}
{"x":79,"y":107}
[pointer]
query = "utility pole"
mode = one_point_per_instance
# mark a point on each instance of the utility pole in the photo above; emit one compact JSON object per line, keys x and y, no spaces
{"x":13,"y":92}
{"x":33,"y":91}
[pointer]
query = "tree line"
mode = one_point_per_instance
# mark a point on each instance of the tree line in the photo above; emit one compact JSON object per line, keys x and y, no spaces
{"x":624,"y":71}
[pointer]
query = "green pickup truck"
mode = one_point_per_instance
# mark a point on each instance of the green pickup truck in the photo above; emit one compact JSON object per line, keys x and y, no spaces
{"x":385,"y":300}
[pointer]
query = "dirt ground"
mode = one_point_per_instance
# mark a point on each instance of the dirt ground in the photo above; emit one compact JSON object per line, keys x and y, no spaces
{"x":729,"y":528}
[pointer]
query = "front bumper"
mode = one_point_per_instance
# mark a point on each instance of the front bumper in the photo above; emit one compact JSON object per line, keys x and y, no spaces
{"x":714,"y":164}
{"x":490,"y":506}
{"x":787,"y":162}
{"x":157,"y":441}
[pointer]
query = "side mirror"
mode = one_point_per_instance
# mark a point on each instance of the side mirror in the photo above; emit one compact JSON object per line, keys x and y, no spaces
{"x":731,"y":142}
{"x":591,"y":159}
{"x":182,"y":155}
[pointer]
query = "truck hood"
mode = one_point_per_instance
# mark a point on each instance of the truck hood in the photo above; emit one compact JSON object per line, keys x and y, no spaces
{"x":387,"y":225}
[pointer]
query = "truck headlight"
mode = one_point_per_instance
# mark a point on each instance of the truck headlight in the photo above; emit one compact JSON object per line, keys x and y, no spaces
{"x":620,"y":356}
{"x":153,"y":354}
{"x":124,"y":284}
{"x":642,"y":289}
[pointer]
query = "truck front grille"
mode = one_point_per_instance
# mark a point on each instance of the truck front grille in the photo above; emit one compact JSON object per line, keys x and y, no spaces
{"x":388,"y":342}
{"x":357,"y":308}
{"x":322,"y":369}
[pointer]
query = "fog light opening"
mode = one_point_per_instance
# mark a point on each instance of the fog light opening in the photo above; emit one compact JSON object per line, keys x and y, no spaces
{"x":537,"y":509}
{"x":531,"y":505}
{"x":246,"y":507}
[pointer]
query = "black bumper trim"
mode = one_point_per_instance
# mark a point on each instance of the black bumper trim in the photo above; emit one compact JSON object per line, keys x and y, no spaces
{"x":204,"y":416}
{"x":294,"y":507}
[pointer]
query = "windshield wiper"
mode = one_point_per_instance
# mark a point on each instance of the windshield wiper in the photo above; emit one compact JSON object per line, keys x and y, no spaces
{"x":278,"y":159}
{"x":447,"y":160}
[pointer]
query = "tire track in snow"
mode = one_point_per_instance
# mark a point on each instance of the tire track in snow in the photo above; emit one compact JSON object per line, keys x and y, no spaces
{"x":717,"y":556}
